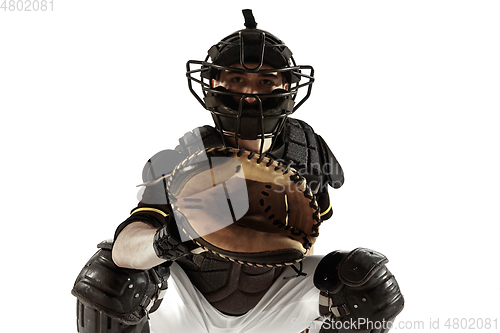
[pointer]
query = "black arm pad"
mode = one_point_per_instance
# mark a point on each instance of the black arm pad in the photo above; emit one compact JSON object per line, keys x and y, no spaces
{"x":357,"y":286}
{"x":126,"y":295}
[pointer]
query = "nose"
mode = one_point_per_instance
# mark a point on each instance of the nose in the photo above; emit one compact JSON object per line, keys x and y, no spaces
{"x":251,"y":100}
{"x":250,"y":89}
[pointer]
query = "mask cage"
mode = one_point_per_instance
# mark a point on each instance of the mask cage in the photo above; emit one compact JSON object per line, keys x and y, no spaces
{"x":206,"y":88}
{"x":209,"y":98}
{"x":268,"y":50}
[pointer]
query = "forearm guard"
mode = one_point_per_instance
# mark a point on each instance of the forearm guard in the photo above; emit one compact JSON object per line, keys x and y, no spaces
{"x":358,"y":289}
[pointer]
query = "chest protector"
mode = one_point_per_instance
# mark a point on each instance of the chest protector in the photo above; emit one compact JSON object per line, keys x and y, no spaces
{"x":232,"y":288}
{"x":309,"y":154}
{"x":298,"y":146}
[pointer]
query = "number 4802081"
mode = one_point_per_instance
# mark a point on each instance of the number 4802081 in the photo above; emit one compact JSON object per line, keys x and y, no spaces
{"x":471,"y":323}
{"x":27,"y":5}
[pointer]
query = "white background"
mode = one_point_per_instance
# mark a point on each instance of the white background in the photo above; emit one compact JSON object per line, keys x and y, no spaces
{"x":406,"y":95}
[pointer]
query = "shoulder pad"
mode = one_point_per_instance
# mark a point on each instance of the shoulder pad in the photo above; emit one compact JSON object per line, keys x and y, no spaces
{"x":332,"y":171}
{"x":306,"y":148}
{"x":162,"y":163}
{"x":165,"y":161}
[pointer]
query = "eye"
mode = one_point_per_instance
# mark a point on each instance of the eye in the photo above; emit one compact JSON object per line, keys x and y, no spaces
{"x":267,"y":82}
{"x":237,"y":79}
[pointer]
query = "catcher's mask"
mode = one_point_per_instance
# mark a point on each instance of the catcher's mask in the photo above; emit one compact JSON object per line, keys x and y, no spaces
{"x":232,"y":116}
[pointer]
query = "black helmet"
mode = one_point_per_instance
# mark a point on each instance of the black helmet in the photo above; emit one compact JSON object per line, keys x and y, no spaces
{"x":250,"y":45}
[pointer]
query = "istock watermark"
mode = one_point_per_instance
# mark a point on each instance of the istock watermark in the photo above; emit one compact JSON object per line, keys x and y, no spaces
{"x":351,"y":324}
{"x":430,"y":324}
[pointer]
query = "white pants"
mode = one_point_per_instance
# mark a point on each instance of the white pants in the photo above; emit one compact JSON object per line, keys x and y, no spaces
{"x":290,"y":305}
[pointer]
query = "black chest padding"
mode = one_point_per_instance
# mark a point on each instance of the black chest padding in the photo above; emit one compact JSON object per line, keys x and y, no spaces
{"x":165,"y":161}
{"x":301,"y":148}
{"x":199,"y":139}
{"x":310,"y":155}
{"x":231,"y":288}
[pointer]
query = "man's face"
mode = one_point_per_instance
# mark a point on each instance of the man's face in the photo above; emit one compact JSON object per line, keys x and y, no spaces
{"x":250,"y":83}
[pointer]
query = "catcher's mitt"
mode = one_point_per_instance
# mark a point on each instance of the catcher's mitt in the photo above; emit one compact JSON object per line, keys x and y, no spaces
{"x":245,"y":207}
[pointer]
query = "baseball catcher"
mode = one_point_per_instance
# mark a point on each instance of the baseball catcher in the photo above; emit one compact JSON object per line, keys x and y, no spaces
{"x":222,"y":239}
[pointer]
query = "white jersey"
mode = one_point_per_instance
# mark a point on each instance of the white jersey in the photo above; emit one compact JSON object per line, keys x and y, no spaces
{"x":290,"y":305}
